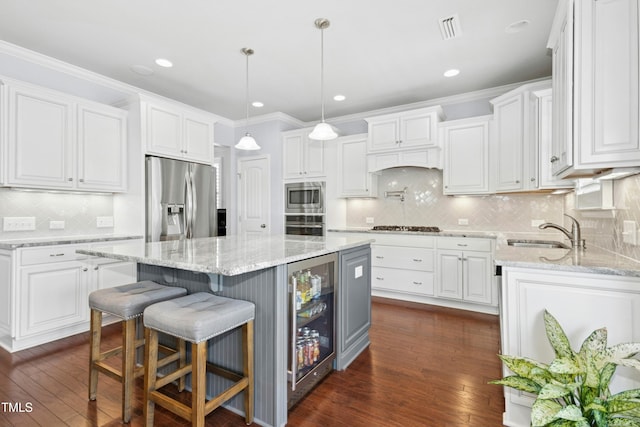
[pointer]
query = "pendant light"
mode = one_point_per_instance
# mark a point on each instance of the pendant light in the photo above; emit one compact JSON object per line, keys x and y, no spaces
{"x":247,"y":142}
{"x":323,"y":131}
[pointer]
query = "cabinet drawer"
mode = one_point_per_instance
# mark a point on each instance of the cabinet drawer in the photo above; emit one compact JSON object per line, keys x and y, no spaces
{"x":464,"y":244}
{"x":402,"y":258}
{"x":409,"y":281}
{"x":422,"y":241}
{"x":47,"y":254}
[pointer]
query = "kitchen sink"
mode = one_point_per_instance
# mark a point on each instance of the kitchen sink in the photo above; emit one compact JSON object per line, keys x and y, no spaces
{"x":547,"y":244}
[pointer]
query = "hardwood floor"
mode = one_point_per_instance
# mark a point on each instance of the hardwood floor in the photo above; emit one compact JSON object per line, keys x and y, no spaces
{"x":425,"y":367}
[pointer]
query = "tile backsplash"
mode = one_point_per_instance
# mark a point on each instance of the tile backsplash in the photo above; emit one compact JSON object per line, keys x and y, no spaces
{"x":78,"y":211}
{"x":424,"y":204}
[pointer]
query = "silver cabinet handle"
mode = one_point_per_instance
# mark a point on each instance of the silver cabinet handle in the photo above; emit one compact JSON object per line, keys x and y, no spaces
{"x":263,"y":225}
{"x":69,"y":179}
{"x":554,"y":159}
{"x":60,"y":254}
{"x":96,"y":268}
{"x":85,"y":269}
{"x":417,"y":260}
{"x":379,"y":278}
{"x":463,"y":245}
{"x":379,"y":257}
{"x":417,"y":283}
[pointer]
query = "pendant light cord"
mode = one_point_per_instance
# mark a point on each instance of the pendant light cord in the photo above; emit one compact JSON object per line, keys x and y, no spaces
{"x":246,"y":124}
{"x":322,"y":72}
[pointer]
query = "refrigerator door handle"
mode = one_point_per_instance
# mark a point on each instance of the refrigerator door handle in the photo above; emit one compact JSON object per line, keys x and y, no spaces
{"x":188,"y":205}
{"x":194,"y":202}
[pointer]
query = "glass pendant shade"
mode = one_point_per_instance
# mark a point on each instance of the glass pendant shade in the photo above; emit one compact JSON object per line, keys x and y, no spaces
{"x":247,"y":143}
{"x":323,"y":132}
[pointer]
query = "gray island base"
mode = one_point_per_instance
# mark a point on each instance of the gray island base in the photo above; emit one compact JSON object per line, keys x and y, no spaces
{"x":254,"y":268}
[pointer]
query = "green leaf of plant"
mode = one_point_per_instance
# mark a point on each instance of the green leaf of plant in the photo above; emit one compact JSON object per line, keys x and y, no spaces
{"x":627,"y":394}
{"x":557,"y":338}
{"x":623,"y":422}
{"x":543,"y":412}
{"x":605,"y":376}
{"x":619,"y":405}
{"x":519,"y":383}
{"x":632,"y":363}
{"x":553,"y":391}
{"x":565,"y":366}
{"x":592,"y":355}
{"x":525,"y":367}
{"x":622,"y":351}
{"x":571,"y":413}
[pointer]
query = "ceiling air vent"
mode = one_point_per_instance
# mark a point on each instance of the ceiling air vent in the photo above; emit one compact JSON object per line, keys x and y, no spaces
{"x":450,"y":27}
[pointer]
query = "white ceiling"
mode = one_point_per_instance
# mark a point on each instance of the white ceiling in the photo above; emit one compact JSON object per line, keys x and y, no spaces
{"x":378,"y":53}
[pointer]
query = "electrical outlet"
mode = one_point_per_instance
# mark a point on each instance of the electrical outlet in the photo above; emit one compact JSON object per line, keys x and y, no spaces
{"x":104,"y":221}
{"x":56,"y":225}
{"x":19,"y":223}
{"x":537,"y":222}
{"x":463,"y":221}
{"x":369,"y":220}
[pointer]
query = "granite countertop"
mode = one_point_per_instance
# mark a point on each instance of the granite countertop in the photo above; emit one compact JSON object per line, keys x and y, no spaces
{"x":443,"y":233}
{"x":228,"y":255}
{"x":63,"y":240}
{"x":590,"y":260}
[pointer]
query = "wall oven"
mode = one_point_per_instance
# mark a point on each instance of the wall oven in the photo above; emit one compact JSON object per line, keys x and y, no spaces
{"x":304,"y":198}
{"x":304,"y":208}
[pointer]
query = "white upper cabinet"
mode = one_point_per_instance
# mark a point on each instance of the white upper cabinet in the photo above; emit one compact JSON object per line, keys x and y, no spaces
{"x":410,"y":129}
{"x":176,"y":131}
{"x":595,"y":84}
{"x":466,"y":155}
{"x":56,"y":141}
{"x":354,"y":179}
{"x":302,"y":157}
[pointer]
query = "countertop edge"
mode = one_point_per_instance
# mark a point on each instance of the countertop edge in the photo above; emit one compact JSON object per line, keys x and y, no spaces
{"x":11,"y":244}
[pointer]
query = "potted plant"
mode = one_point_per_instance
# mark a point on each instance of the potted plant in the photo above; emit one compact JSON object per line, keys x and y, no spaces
{"x":573,"y":391}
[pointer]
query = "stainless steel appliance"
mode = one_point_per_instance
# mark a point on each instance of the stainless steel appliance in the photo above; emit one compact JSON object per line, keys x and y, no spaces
{"x":304,"y":225}
{"x":312,"y":295}
{"x":181,"y":200}
{"x":304,"y":198}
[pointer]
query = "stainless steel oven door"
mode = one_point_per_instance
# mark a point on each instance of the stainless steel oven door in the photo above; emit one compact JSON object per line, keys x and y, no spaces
{"x":304,"y":198}
{"x":305,"y":225}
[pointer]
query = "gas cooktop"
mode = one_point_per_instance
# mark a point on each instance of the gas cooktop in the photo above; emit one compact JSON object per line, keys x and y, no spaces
{"x":416,"y":228}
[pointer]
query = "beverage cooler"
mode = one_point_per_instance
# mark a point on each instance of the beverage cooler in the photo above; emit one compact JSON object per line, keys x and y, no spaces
{"x":312,"y":299}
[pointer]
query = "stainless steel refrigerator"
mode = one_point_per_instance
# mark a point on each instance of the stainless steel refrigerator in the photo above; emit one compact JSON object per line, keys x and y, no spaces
{"x":181,"y":200}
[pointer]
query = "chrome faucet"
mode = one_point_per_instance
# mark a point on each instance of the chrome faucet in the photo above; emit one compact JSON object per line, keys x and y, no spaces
{"x":574,"y":235}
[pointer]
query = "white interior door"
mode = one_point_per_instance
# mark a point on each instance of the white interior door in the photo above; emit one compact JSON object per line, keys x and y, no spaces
{"x":254,"y":196}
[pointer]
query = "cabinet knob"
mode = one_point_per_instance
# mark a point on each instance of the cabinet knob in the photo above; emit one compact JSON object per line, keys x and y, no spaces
{"x":69,"y":179}
{"x":81,"y":180}
{"x":85,"y":269}
{"x":95,"y":268}
{"x":517,"y":181}
{"x":532,"y":179}
{"x":554,"y":159}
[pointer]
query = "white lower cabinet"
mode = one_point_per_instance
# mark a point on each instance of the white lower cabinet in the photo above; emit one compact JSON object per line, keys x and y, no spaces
{"x":465,"y":270}
{"x":447,"y":271}
{"x":581,"y":303}
{"x":47,"y":289}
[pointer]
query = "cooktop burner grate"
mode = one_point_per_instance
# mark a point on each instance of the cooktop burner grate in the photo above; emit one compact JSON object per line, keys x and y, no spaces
{"x":417,"y":228}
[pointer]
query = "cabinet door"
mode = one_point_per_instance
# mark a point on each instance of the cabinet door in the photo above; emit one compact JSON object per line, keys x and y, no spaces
{"x":509,"y":142}
{"x":198,"y":138}
{"x":477,"y":277}
{"x":355,"y":290}
{"x":6,"y":294}
{"x":466,"y":158}
{"x":449,"y":274}
{"x":384,"y":134}
{"x":353,"y":178}
{"x":544,"y":114}
{"x":40,"y":123}
{"x":606,"y":84}
{"x":52,"y":296}
{"x":562,"y":83}
{"x":292,"y":146}
{"x":164,"y":131}
{"x":313,"y":158}
{"x":108,"y":274}
{"x":102,"y":148}
{"x":418,"y":130}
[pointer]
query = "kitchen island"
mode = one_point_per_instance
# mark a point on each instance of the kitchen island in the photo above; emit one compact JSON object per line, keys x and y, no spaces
{"x":584,"y":289}
{"x":252,"y":268}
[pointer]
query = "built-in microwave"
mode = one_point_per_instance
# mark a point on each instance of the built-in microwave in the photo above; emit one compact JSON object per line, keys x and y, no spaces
{"x":304,"y":197}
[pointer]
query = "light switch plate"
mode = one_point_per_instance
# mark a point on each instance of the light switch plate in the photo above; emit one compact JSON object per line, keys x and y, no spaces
{"x":463,"y":221}
{"x":369,"y":220}
{"x":104,"y":221}
{"x":19,"y":223}
{"x":56,"y":225}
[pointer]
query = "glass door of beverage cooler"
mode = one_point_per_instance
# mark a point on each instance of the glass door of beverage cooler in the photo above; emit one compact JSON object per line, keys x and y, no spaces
{"x":312,"y":295}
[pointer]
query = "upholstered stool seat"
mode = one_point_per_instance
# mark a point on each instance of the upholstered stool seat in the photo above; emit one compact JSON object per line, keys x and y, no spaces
{"x":196,"y":318}
{"x":127,"y":302}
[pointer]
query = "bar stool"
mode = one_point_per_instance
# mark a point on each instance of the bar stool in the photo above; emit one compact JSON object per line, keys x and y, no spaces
{"x":197,"y":318}
{"x":126,"y":302}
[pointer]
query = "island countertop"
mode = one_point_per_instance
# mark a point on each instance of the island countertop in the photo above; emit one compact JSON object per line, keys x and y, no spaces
{"x":227,"y":255}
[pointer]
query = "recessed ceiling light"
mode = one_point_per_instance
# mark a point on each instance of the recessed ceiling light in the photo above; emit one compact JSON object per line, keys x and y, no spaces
{"x":517,"y":26}
{"x":164,"y":63}
{"x":142,"y":70}
{"x":339,"y":98}
{"x":257,"y":104}
{"x":452,"y":72}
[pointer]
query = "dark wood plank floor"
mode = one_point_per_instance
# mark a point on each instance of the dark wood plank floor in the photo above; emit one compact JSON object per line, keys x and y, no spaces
{"x":425,"y":367}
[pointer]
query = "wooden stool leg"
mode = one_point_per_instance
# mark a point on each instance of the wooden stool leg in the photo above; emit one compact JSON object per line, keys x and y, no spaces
{"x":128,"y":361}
{"x":94,"y":351}
{"x":150,"y":372}
{"x":247,"y":357}
{"x":198,"y":382}
{"x":181,"y":347}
